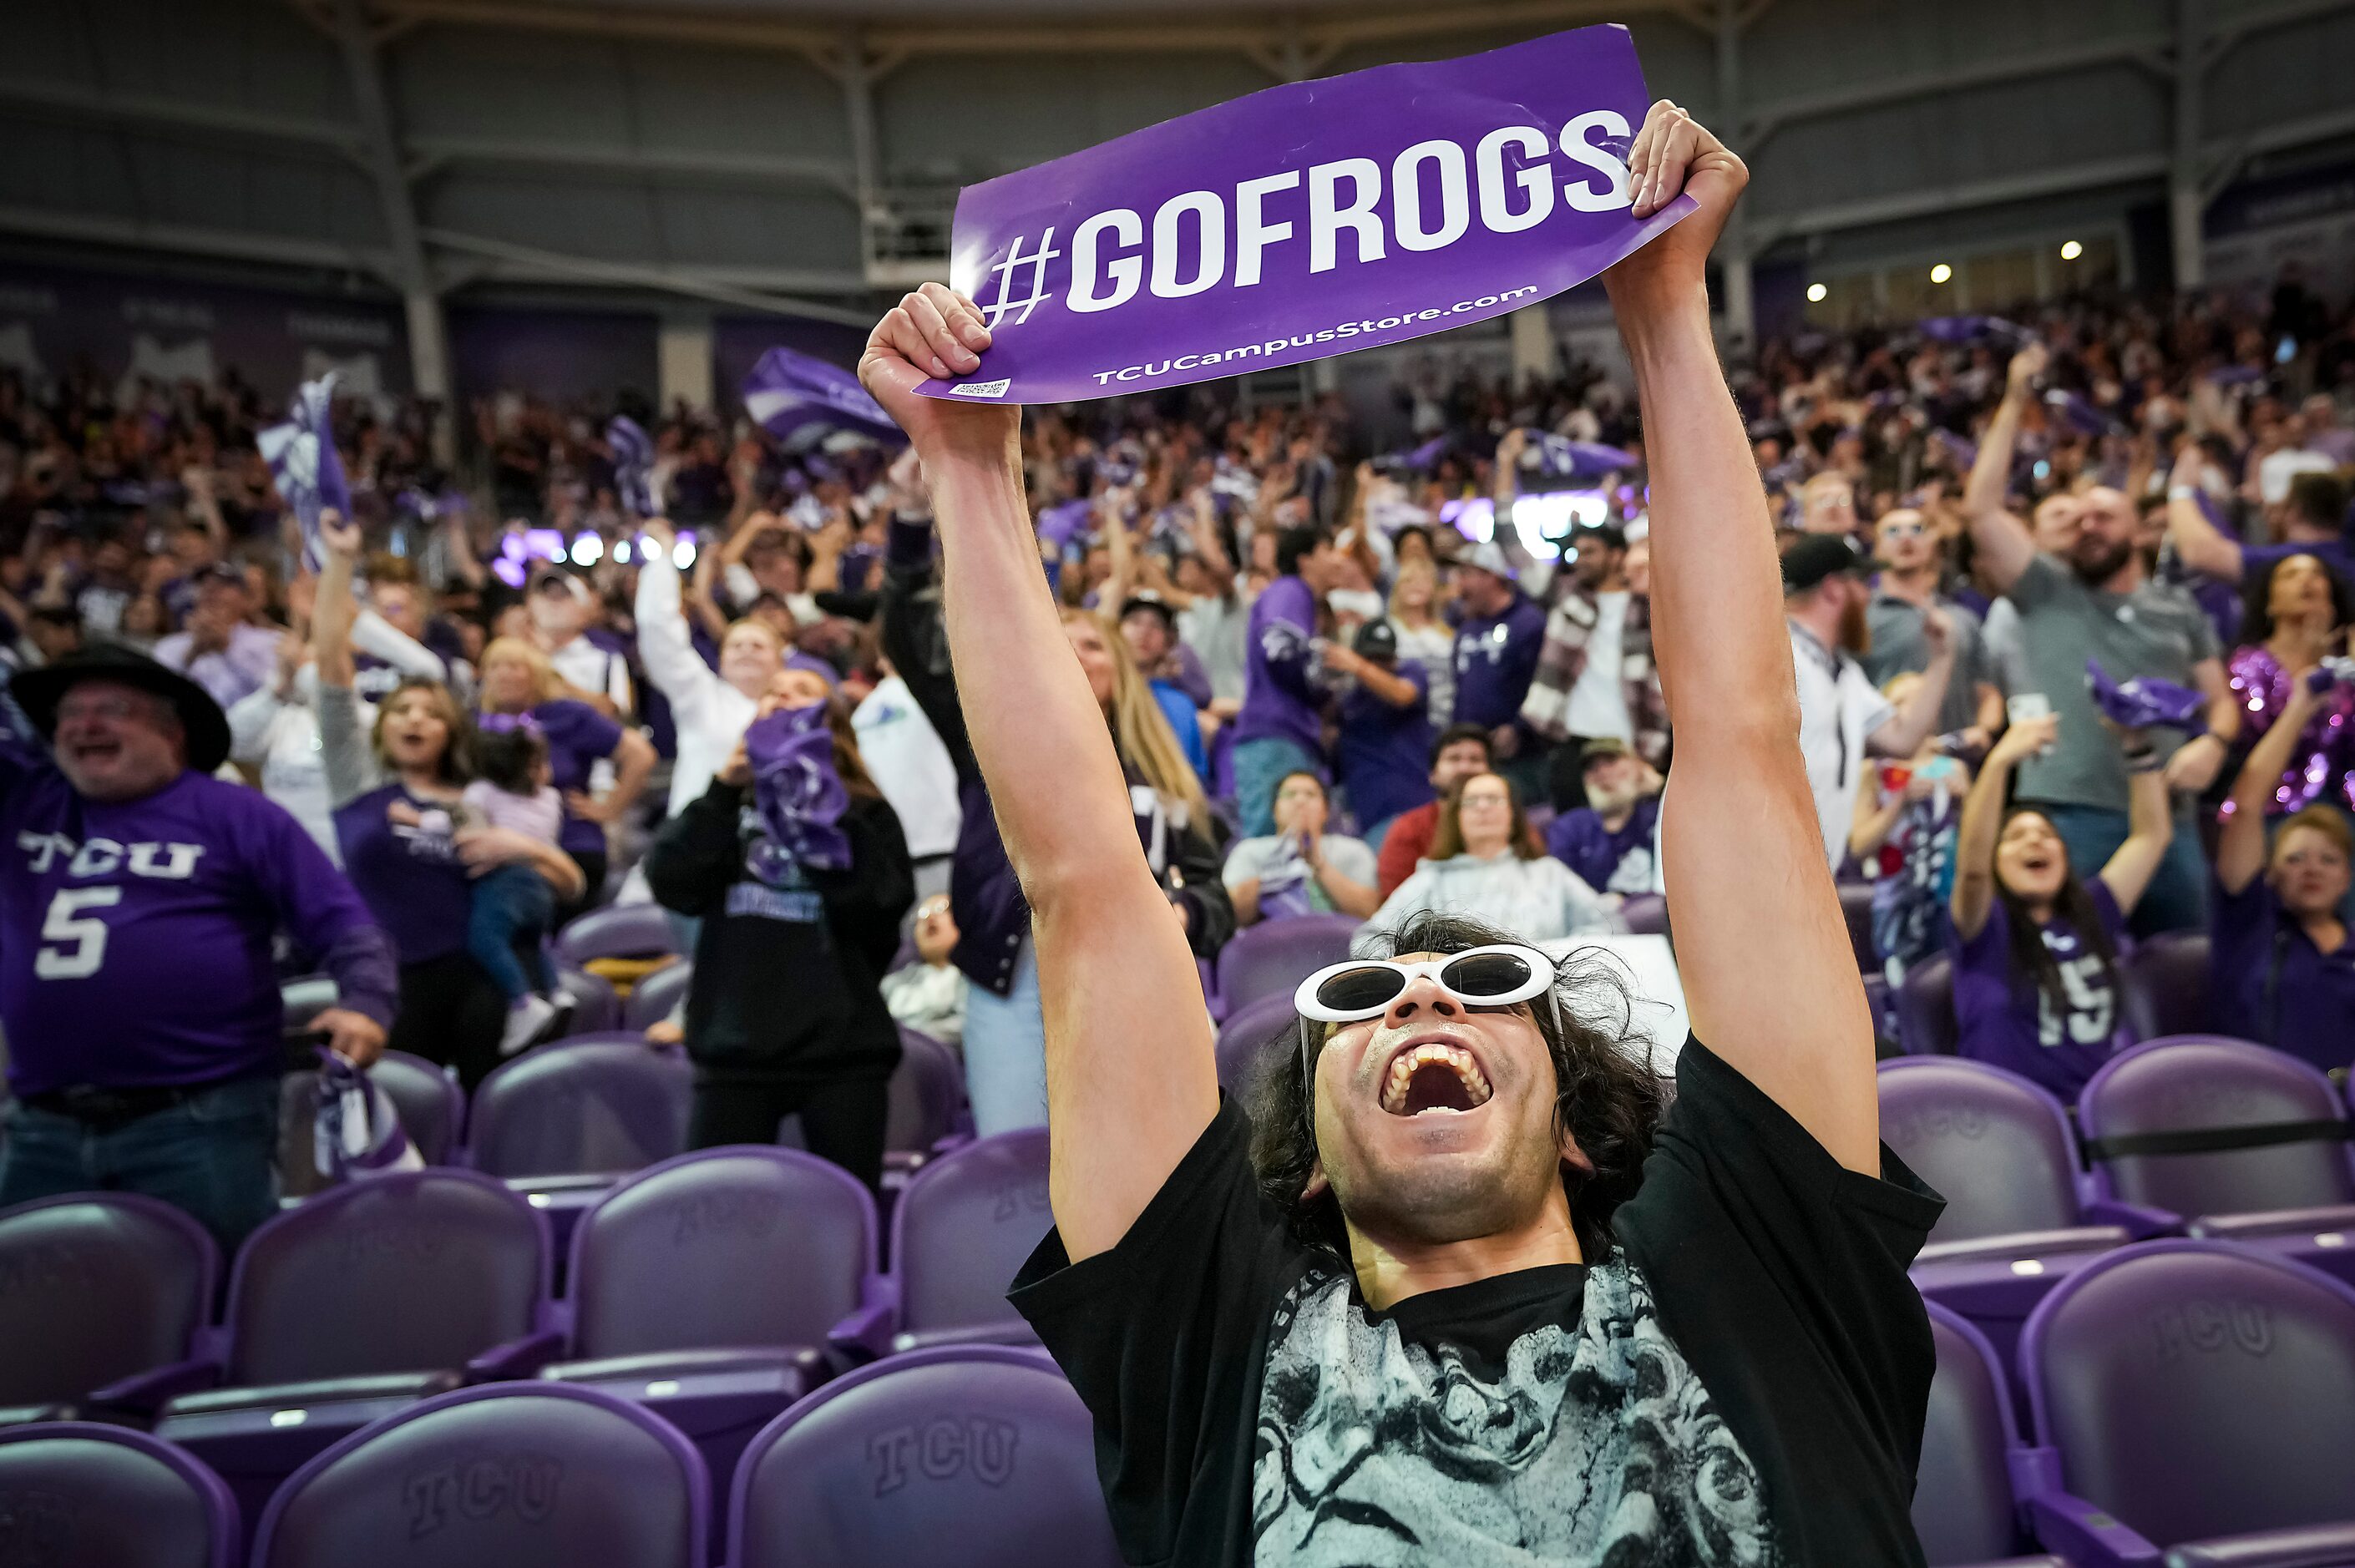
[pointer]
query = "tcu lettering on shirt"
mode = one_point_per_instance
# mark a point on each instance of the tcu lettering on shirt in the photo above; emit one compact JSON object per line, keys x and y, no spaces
{"x":73,"y":939}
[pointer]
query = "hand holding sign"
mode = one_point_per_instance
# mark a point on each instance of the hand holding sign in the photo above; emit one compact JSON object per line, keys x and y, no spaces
{"x":1675,"y":155}
{"x":935,"y":327}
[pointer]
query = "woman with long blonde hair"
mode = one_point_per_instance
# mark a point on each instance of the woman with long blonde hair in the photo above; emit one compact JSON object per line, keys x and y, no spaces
{"x":1005,"y":1031}
{"x":518,"y":681}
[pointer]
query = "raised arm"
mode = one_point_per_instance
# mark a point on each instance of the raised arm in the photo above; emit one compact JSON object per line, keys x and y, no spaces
{"x":2241,"y":848}
{"x":1903,"y":732}
{"x":1130,"y":1078}
{"x":2150,"y":824}
{"x":2005,"y":544}
{"x":1982,"y":823}
{"x":1770,"y":978}
{"x":2199,"y":543}
{"x":666,"y":646}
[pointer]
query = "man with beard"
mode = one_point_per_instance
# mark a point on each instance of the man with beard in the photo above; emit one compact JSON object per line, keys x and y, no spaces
{"x":1462,"y":1288}
{"x":1594,"y":679}
{"x":2085,"y":596}
{"x":1843,"y":717}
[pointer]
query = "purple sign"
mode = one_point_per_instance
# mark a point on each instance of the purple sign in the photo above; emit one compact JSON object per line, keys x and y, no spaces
{"x":1306,"y":221}
{"x":792,"y":395}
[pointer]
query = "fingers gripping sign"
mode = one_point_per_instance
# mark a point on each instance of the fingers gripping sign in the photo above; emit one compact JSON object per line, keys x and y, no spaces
{"x":933,"y":332}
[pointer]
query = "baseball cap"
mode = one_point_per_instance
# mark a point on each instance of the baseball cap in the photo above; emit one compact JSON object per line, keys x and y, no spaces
{"x":1595,"y":751}
{"x":1145,"y":598}
{"x":1813,"y":559}
{"x":1608,"y":535}
{"x":1376,"y":640}
{"x":1488,"y":557}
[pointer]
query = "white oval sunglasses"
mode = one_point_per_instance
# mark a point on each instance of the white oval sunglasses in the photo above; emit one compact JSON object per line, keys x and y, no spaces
{"x":1498,"y":975}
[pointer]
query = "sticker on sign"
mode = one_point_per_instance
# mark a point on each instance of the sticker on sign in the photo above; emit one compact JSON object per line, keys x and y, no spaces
{"x":981,"y":388}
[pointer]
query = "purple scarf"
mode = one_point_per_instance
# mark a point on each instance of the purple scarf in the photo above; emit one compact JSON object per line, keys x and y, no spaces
{"x":799,"y":795}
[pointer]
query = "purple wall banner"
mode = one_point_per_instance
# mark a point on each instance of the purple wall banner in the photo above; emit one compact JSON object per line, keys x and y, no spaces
{"x":1306,"y":221}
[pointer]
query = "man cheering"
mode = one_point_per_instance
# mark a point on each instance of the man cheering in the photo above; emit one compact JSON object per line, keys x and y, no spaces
{"x":136,"y":915}
{"x":1455,"y":1291}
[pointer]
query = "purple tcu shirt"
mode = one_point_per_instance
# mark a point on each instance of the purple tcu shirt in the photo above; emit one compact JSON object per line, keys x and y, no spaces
{"x":1385,"y":751}
{"x":2007,"y":1021}
{"x":135,"y":936}
{"x":1496,"y":655}
{"x":2271,"y":984}
{"x":1279,"y":699}
{"x":411,"y":877}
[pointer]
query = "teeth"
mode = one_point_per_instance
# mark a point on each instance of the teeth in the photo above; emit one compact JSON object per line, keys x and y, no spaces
{"x":1407,"y":1062}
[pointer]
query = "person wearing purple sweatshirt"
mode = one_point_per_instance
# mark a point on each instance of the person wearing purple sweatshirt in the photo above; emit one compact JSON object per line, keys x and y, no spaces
{"x":1281,"y":729}
{"x":137,"y":986}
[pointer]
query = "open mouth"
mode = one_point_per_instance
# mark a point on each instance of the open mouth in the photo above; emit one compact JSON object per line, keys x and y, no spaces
{"x":1434,"y":1077}
{"x":97,"y":751}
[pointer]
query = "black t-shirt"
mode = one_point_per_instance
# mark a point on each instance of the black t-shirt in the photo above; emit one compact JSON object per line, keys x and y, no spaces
{"x":1742,"y":1381}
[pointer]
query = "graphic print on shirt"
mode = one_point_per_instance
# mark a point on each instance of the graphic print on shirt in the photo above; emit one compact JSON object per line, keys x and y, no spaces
{"x":2091,"y":1015}
{"x":779,"y":888}
{"x":1597,"y":1445}
{"x":73,"y":932}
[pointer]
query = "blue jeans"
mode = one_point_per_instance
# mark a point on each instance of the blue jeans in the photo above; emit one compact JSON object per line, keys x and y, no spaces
{"x":1006,"y":1051}
{"x":2176,"y":898}
{"x":1260,"y":767}
{"x":214,"y":1154}
{"x":511,"y":905}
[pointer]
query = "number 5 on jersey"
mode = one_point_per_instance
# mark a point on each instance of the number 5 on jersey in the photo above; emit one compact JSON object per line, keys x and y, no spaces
{"x":73,"y":945}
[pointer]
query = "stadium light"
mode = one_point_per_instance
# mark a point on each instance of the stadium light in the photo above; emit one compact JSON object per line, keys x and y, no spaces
{"x":1818,"y":293}
{"x":2070,"y":250}
{"x":1941,"y":272}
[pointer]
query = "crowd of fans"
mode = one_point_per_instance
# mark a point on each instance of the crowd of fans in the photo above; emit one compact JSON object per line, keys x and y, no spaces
{"x":1341,"y":681}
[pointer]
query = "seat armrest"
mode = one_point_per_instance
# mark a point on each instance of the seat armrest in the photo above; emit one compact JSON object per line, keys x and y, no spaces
{"x":2299,"y":1546}
{"x":2138,"y":1220}
{"x":2086,"y":1536}
{"x":865,"y":1333}
{"x":145,"y":1393}
{"x":520,"y":1358}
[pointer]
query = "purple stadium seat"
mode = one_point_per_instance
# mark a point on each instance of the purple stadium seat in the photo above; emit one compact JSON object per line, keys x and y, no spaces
{"x":597,"y":1006}
{"x":653,"y":997}
{"x":617,"y":931}
{"x":431,"y":1107}
{"x":2198,"y":1398}
{"x":1856,"y":908}
{"x":1925,"y":1008}
{"x":2165,"y":985}
{"x":78,"y":1495}
{"x":103,"y":1300}
{"x":959,"y":1234}
{"x":357,"y":1304}
{"x":1964,"y":1508}
{"x":522,"y":1475}
{"x":2249,"y":1142}
{"x":706,"y":1288}
{"x":975,"y":1455}
{"x":561,"y":1122}
{"x":1647,"y":915}
{"x":2015,"y":1224}
{"x":1246,"y":1036}
{"x":1273,"y":957}
{"x":927,"y":1090}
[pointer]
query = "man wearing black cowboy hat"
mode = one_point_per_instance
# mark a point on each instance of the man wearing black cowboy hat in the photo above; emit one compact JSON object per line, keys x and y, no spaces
{"x":137,"y":909}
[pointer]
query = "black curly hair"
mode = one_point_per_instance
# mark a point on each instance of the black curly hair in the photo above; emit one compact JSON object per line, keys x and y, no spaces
{"x":1608,"y":1098}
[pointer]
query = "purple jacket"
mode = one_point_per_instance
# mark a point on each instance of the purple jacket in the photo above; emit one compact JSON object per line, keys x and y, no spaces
{"x":993,"y":918}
